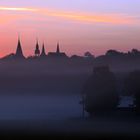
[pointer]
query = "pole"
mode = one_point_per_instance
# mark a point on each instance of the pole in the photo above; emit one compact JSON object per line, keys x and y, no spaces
{"x":83,"y":106}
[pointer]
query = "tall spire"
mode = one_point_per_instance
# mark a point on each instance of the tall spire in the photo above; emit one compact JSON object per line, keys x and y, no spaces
{"x":37,"y":51}
{"x":37,"y":44}
{"x":43,"y":53}
{"x":19,"y":53}
{"x":58,"y":49}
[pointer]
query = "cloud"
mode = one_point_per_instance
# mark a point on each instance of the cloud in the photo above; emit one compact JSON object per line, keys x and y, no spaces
{"x":16,"y":9}
{"x":92,"y":18}
{"x":74,"y":16}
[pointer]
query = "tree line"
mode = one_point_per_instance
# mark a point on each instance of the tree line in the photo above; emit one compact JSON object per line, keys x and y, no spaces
{"x":100,"y":92}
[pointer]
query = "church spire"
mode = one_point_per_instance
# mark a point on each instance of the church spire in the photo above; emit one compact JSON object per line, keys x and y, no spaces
{"x":58,"y":49}
{"x":19,"y":53}
{"x":37,"y":51}
{"x":43,"y":53}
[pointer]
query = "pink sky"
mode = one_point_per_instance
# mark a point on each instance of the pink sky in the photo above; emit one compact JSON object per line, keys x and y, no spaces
{"x":77,"y":31}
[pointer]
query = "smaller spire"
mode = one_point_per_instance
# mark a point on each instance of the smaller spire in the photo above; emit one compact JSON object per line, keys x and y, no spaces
{"x":58,"y":49}
{"x":37,"y":44}
{"x":43,"y":53}
{"x":19,"y":44}
{"x":37,"y":51}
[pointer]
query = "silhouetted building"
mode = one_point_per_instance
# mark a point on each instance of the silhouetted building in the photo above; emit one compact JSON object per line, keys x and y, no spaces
{"x":19,"y":53}
{"x":77,"y":58}
{"x":43,"y":53}
{"x":8,"y":57}
{"x":58,"y":53}
{"x":37,"y":51}
{"x":58,"y":49}
{"x":127,"y":103}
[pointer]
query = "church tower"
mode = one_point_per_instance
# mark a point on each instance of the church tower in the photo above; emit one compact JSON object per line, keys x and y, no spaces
{"x":58,"y":49}
{"x":57,"y":53}
{"x":19,"y":53}
{"x":43,"y":53}
{"x":37,"y":51}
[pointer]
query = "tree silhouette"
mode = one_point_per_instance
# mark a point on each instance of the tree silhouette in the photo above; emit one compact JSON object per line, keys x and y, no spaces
{"x":113,"y":53}
{"x":88,"y":55}
{"x":135,"y":52}
{"x":132,"y":87}
{"x":100,"y":91}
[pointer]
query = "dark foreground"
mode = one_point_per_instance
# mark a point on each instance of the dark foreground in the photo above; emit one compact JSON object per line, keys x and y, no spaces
{"x":60,"y":117}
{"x":97,"y":128}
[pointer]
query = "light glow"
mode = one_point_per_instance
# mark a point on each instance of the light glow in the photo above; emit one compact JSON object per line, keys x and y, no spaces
{"x":83,"y":17}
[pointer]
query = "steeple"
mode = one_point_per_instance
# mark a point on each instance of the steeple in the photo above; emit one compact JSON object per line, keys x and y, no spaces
{"x":37,"y":51}
{"x":43,"y":53}
{"x":58,"y":49}
{"x":19,"y":53}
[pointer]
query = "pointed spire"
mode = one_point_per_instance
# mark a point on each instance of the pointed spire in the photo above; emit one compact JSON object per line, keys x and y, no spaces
{"x":37,"y":44}
{"x":58,"y":49}
{"x":19,"y":53}
{"x":43,"y":53}
{"x":19,"y":39}
{"x":37,"y":51}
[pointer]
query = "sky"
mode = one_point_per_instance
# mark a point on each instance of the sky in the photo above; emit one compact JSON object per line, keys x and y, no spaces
{"x":78,"y":25}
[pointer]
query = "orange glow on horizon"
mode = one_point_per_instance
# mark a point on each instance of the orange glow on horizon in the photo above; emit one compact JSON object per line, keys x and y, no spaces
{"x":90,"y":18}
{"x":83,"y":17}
{"x":78,"y":32}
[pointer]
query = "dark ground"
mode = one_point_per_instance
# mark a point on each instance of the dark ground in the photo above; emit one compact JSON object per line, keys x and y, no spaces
{"x":98,"y":128}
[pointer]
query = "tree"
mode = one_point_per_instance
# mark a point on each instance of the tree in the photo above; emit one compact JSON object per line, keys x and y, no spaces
{"x":132,"y":87}
{"x":113,"y":53}
{"x":135,"y":52}
{"x":100,"y":91}
{"x":88,"y":55}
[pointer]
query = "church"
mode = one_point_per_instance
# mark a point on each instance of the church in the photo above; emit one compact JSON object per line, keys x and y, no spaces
{"x":42,"y":54}
{"x":37,"y":53}
{"x":19,"y":52}
{"x":58,"y":53}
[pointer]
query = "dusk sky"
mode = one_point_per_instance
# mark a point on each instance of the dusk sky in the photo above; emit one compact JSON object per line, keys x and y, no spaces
{"x":79,"y":25}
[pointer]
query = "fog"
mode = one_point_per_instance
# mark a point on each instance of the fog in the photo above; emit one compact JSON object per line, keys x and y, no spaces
{"x":46,"y":107}
{"x":57,"y":114}
{"x":44,"y":97}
